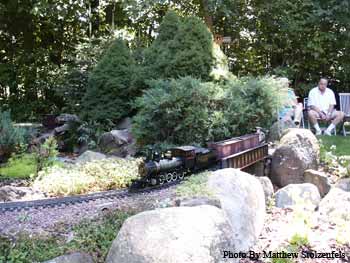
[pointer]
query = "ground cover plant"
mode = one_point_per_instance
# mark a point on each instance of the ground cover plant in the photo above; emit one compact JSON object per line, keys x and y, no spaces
{"x":90,"y":236}
{"x":114,"y":173}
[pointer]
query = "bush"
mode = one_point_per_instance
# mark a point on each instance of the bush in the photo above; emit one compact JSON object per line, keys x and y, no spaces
{"x":12,"y":139}
{"x":187,"y":111}
{"x":184,"y":47}
{"x":177,"y":112}
{"x":110,"y":90}
{"x":90,"y":177}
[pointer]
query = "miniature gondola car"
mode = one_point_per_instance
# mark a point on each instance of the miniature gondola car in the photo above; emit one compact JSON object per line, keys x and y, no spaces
{"x":176,"y":164}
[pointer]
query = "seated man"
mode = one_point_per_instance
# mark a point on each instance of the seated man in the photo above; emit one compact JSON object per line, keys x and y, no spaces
{"x":292,"y":110}
{"x":321,"y":102}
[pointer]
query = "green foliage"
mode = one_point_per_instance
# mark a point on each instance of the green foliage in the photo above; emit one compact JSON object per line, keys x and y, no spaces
{"x":46,"y":154}
{"x":177,"y":112}
{"x":12,"y":139}
{"x":298,"y":241}
{"x":19,"y":167}
{"x":91,"y":236}
{"x":93,"y":176}
{"x":187,"y":111}
{"x":110,"y":89}
{"x":184,"y":47}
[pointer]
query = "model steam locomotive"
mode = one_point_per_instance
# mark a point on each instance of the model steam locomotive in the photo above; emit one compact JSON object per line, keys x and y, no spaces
{"x":182,"y":161}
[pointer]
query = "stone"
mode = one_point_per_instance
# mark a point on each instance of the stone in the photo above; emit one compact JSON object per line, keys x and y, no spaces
{"x":304,"y":195}
{"x":319,"y":179}
{"x":15,"y":193}
{"x":344,"y":184}
{"x":90,"y":156}
{"x":200,"y":200}
{"x":335,"y":205}
{"x":267,"y":187}
{"x":124,"y":124}
{"x":76,"y":257}
{"x":297,"y":152}
{"x":242,"y":199}
{"x":66,"y":118}
{"x":278,"y":128}
{"x":117,"y":142}
{"x":176,"y":234}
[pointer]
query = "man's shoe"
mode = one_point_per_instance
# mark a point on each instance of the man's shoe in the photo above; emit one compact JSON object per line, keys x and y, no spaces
{"x":319,"y":132}
{"x":328,"y":133}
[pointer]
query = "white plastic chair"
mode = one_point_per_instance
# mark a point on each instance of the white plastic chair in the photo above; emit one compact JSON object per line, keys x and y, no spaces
{"x":344,"y":99}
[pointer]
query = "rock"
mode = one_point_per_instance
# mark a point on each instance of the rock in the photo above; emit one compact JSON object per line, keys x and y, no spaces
{"x":66,"y":118}
{"x":242,"y":199}
{"x":319,"y":179}
{"x":124,"y":124}
{"x":305,"y":195}
{"x":13,"y":193}
{"x":76,"y":257}
{"x":90,"y":156}
{"x":344,"y":184}
{"x":335,"y":205}
{"x":267,"y":187}
{"x":298,"y":151}
{"x":177,"y":234}
{"x":200,"y":200}
{"x":117,"y":142}
{"x":278,"y":128}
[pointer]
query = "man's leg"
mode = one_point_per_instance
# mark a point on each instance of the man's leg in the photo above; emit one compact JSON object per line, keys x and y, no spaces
{"x":298,"y":112}
{"x":337,"y":117}
{"x":313,"y":115}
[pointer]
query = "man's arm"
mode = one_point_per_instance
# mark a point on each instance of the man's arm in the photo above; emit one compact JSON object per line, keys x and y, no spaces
{"x":312,"y":106}
{"x":331,"y":106}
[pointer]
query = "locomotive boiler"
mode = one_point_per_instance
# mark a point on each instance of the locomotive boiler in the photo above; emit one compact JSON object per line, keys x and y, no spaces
{"x":174,"y":165}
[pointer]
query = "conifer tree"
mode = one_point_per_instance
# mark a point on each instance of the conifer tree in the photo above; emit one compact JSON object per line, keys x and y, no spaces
{"x":110,"y":88}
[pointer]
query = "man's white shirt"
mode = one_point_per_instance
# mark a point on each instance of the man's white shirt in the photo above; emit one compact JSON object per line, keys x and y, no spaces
{"x":321,"y":100}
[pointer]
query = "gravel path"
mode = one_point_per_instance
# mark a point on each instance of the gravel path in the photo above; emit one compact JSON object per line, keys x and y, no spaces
{"x":45,"y":221}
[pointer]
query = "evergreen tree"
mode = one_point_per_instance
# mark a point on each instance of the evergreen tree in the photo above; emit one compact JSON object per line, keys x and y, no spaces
{"x":110,"y":88}
{"x":184,"y":47}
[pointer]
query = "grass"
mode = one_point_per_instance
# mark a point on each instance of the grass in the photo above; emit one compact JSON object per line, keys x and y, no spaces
{"x":342,"y":144}
{"x":19,"y":167}
{"x":93,"y":237}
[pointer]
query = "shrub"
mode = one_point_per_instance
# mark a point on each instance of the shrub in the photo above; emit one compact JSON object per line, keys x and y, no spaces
{"x":46,"y":154}
{"x":184,"y":47}
{"x":12,"y":139}
{"x":187,"y":111}
{"x":90,"y":177}
{"x":110,"y":89}
{"x":177,"y":112}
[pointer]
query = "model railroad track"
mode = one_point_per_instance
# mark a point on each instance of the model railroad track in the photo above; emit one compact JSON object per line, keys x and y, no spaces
{"x":78,"y":199}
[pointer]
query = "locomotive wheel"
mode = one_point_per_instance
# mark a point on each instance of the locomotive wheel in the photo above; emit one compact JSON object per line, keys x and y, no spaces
{"x":174,"y":176}
{"x":161,"y":179}
{"x":182,"y":175}
{"x":169,"y":177}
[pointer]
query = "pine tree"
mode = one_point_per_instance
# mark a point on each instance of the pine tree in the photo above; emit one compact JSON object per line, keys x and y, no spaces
{"x":110,"y":88}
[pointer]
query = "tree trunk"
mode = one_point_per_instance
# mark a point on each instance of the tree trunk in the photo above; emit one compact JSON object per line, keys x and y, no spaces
{"x":204,"y":10}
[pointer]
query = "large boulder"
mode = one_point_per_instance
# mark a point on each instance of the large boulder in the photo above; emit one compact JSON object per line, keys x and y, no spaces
{"x":177,"y":234}
{"x":278,"y":128}
{"x":76,"y":257}
{"x":90,"y":156}
{"x":319,"y":179}
{"x":335,"y":205}
{"x":304,"y":195}
{"x":297,"y":151}
{"x":267,"y":186}
{"x":344,"y":184}
{"x":117,"y":142}
{"x":242,"y":199}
